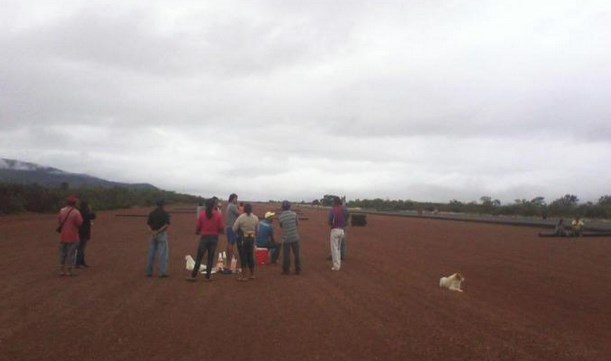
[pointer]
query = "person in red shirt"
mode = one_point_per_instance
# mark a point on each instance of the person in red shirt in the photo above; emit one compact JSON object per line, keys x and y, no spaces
{"x":69,"y":221}
{"x":209,"y":225}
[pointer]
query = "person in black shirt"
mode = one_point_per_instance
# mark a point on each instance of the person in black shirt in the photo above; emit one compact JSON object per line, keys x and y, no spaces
{"x":158,"y":222}
{"x":84,"y":233}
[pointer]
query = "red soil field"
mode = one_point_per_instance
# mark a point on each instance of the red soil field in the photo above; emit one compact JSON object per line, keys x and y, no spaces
{"x":526,"y":298}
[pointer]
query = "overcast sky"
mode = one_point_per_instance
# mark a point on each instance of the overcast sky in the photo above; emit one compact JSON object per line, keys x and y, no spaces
{"x":428,"y":100}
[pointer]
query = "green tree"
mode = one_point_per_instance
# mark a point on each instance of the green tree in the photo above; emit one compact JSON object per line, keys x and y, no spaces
{"x":604,"y":201}
{"x":565,"y":206}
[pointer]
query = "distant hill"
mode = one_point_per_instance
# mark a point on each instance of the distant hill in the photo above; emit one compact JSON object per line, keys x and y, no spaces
{"x":18,"y":172}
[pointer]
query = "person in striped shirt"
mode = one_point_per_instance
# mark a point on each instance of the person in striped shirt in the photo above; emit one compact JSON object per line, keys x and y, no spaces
{"x":290,"y":238}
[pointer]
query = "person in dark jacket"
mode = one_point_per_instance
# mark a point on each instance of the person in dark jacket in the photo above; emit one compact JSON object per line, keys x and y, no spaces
{"x":158,"y":222}
{"x":84,"y":233}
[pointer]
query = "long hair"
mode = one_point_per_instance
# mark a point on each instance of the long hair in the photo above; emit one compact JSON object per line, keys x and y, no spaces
{"x":210,"y":203}
{"x":232,"y":196}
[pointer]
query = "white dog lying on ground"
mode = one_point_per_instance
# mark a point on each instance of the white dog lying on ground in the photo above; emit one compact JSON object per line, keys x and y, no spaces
{"x":452,"y":282}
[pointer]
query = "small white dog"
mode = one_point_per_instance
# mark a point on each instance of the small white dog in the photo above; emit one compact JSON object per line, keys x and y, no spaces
{"x":452,"y":282}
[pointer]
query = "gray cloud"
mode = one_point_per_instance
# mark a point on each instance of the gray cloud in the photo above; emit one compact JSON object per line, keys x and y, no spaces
{"x":274,"y":99}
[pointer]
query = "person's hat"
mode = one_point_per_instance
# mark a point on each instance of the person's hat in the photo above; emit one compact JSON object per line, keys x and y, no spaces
{"x":269,"y":214}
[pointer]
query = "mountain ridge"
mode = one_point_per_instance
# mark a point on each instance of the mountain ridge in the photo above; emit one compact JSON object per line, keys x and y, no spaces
{"x":21,"y":172}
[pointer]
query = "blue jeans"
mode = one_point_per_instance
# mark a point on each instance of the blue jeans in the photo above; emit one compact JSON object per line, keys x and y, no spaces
{"x":67,"y":252}
{"x":158,"y":246}
{"x":231,"y":236}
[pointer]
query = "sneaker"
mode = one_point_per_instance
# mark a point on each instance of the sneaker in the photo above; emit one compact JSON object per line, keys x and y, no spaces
{"x":190,"y":279}
{"x":334,"y":269}
{"x":164,"y":276}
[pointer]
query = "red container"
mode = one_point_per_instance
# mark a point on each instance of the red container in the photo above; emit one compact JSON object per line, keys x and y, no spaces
{"x":262,"y":256}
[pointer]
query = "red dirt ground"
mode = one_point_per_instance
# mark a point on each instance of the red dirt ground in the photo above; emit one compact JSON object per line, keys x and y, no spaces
{"x":526,"y":298}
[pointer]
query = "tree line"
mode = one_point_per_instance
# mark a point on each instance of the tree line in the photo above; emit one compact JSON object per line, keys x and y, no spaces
{"x":566,"y":206}
{"x":15,"y":198}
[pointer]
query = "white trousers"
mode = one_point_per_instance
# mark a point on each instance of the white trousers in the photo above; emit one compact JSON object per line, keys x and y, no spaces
{"x":337,"y":234}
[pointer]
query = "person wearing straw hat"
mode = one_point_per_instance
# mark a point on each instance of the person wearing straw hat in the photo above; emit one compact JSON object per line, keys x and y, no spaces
{"x":265,"y":237}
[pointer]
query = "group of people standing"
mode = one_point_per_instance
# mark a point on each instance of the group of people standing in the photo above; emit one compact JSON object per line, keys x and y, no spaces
{"x":244,"y":231}
{"x":242,"y":228}
{"x":74,"y":228}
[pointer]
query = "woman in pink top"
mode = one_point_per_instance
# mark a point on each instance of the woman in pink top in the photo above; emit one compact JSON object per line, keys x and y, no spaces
{"x":209,"y":225}
{"x":70,"y":221}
